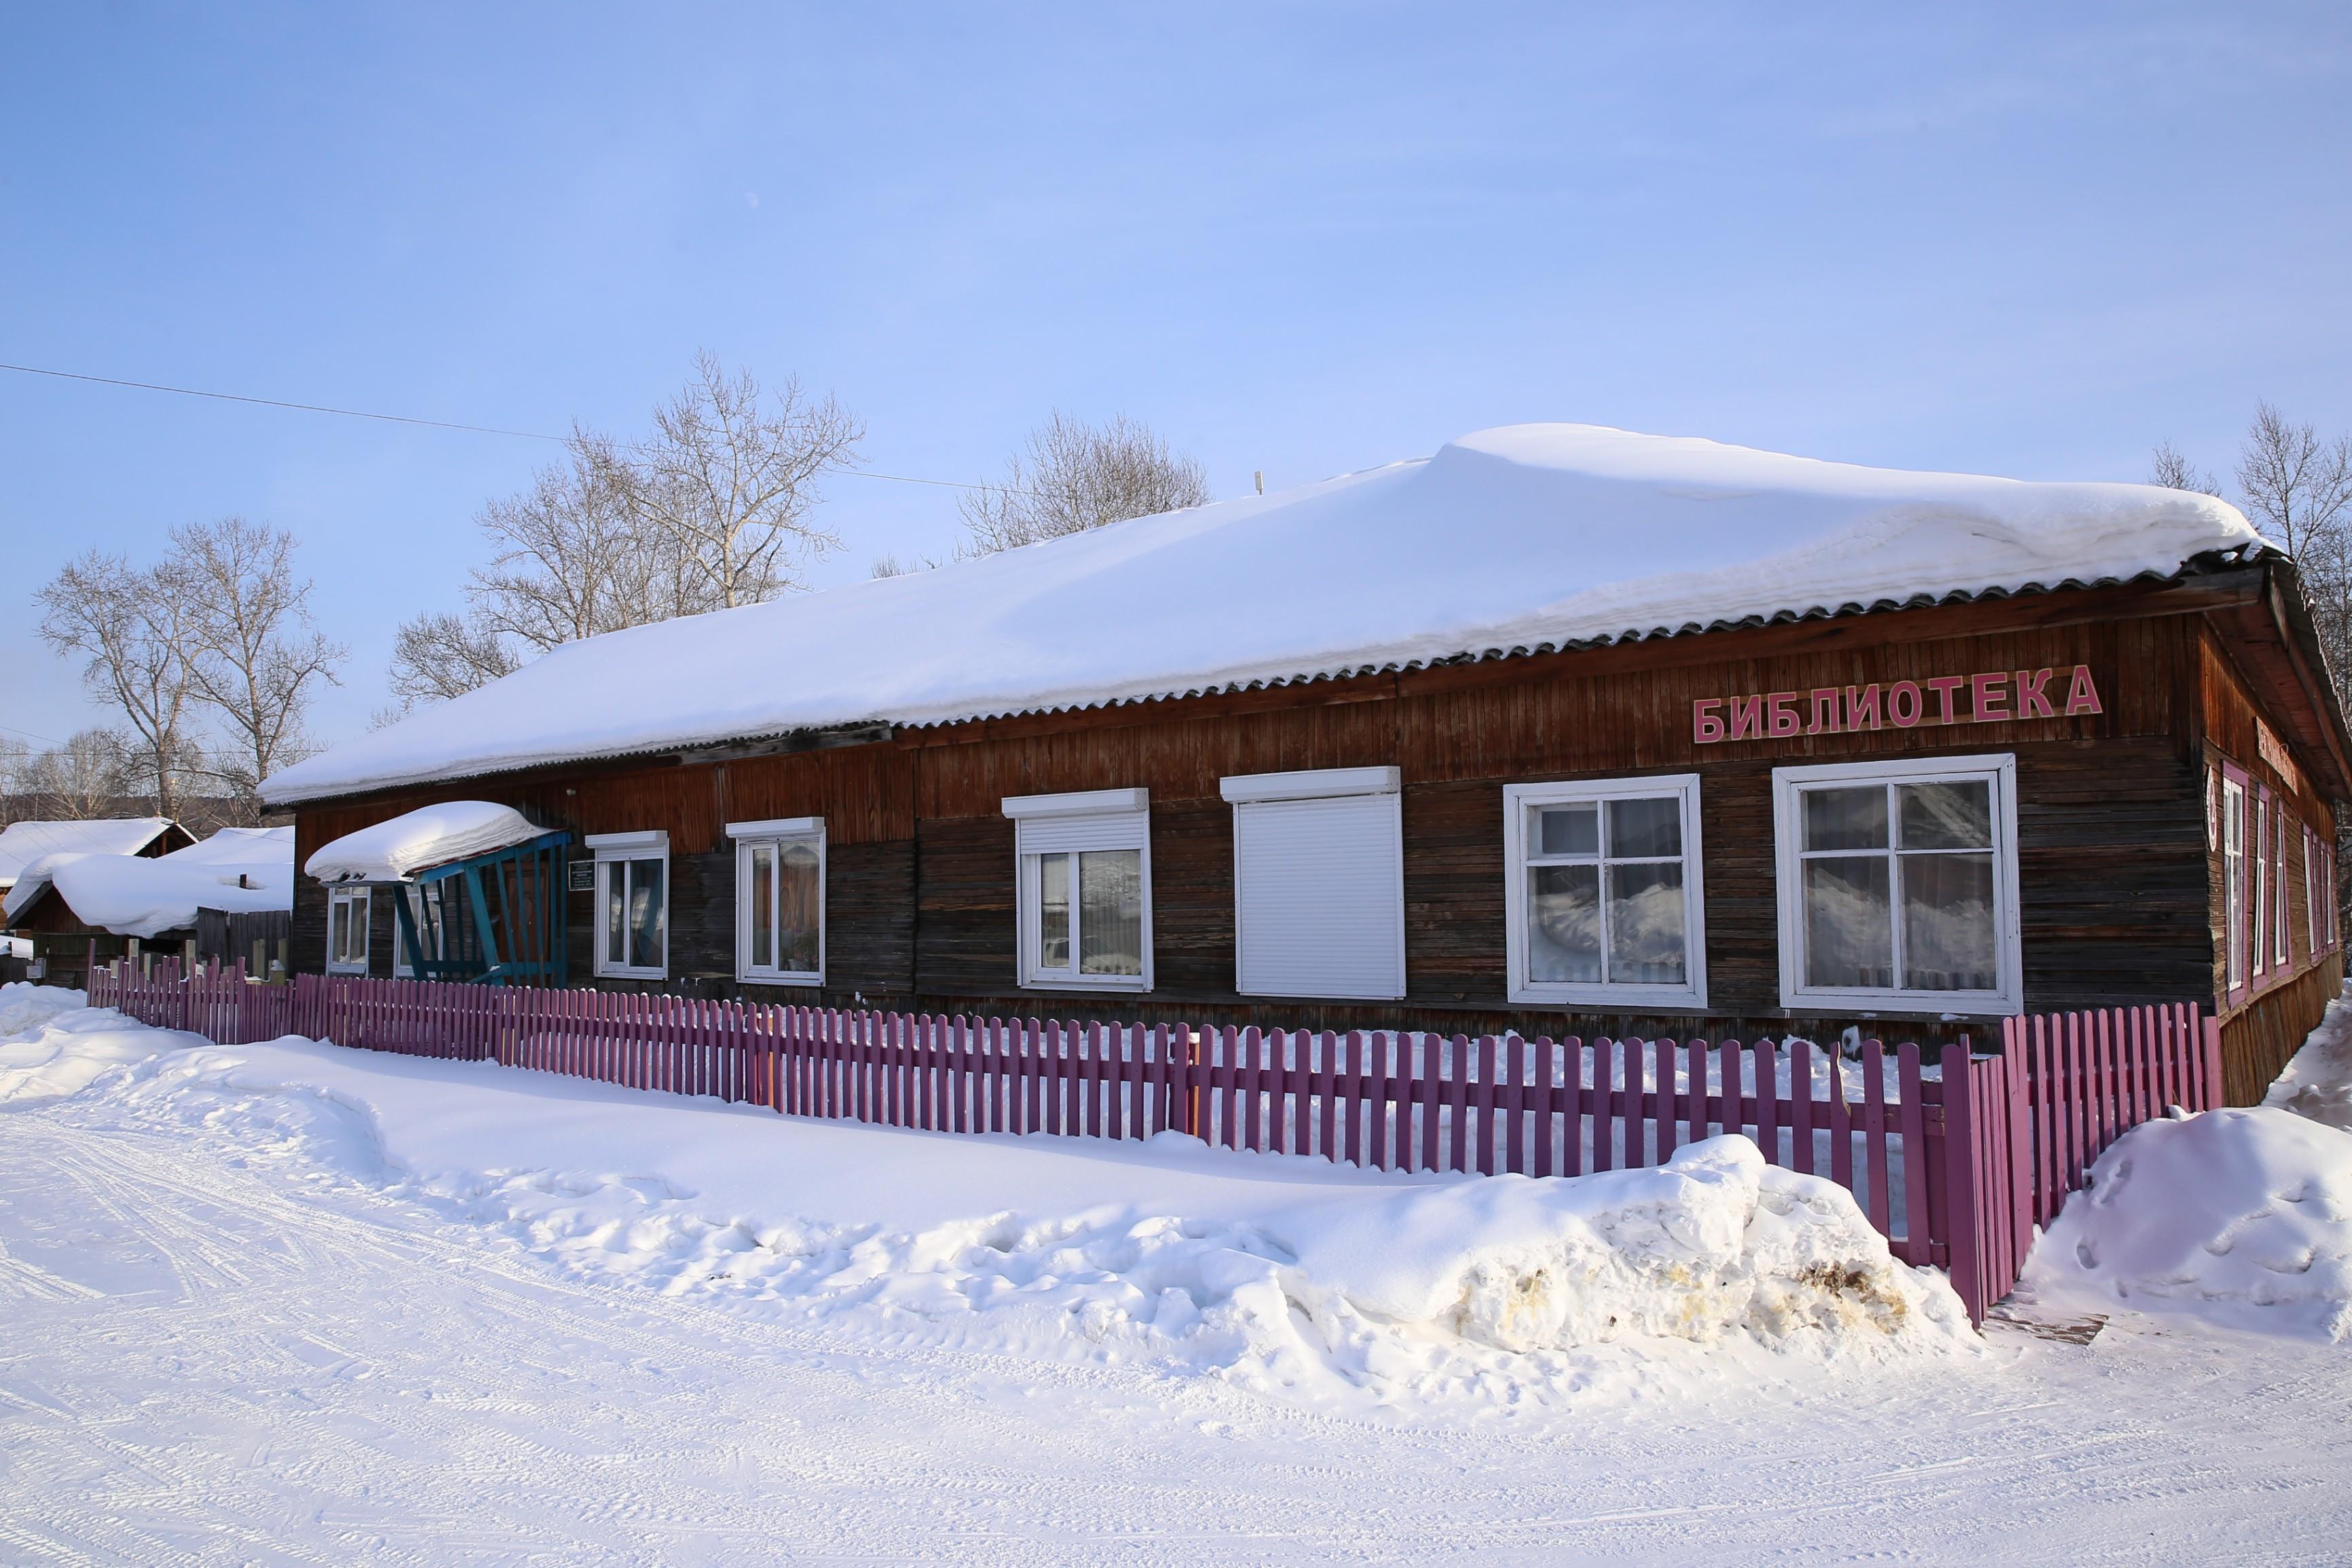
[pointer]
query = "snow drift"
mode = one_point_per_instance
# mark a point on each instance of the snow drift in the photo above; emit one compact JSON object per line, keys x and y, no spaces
{"x":1357,"y":1290}
{"x":2240,"y":1217}
{"x":1555,"y":534}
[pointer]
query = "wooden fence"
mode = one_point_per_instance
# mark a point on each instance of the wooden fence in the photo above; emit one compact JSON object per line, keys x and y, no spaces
{"x":1956,"y":1161}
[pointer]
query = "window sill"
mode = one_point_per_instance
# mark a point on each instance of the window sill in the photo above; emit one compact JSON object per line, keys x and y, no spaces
{"x":1912,"y":1004}
{"x":773,"y":977}
{"x":610,"y":974}
{"x":1611,"y":998}
{"x":1129,"y":984}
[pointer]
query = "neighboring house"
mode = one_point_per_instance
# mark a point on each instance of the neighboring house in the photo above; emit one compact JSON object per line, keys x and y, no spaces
{"x":70,"y":901}
{"x":1564,"y":729}
{"x":21,"y":843}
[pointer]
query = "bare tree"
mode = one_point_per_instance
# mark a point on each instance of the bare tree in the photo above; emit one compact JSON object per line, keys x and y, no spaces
{"x":16,"y":757}
{"x":80,"y":779}
{"x":2298,"y":486}
{"x":253,"y":655}
{"x":437,"y":656}
{"x":2169,"y":468}
{"x":732,"y":472}
{"x":1076,"y":475}
{"x":132,"y":629}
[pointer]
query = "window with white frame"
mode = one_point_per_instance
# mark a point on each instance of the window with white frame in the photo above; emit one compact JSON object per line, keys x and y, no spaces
{"x":1898,"y":885}
{"x":2311,"y":891}
{"x":1318,"y":883}
{"x":2233,"y":880}
{"x":347,"y":930}
{"x":2260,"y":903}
{"x":1082,"y":870}
{"x":426,"y":903}
{"x":780,"y":901}
{"x":2282,"y":952}
{"x":632,"y":904}
{"x":1604,"y":901}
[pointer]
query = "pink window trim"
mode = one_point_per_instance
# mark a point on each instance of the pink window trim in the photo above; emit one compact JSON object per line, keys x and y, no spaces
{"x":2236,"y":988}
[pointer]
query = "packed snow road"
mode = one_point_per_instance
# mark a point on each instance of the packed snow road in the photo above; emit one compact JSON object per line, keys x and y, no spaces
{"x":221,"y":1346}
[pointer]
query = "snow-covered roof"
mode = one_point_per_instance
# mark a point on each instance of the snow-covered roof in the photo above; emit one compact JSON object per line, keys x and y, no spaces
{"x":1527,"y":537}
{"x":393,"y":850}
{"x":22,"y":843}
{"x":239,"y":870}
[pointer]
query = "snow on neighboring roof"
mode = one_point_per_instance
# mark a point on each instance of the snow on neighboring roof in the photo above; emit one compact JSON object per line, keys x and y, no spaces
{"x":1527,"y":537}
{"x":239,"y":870}
{"x":393,"y":850}
{"x":22,"y":843}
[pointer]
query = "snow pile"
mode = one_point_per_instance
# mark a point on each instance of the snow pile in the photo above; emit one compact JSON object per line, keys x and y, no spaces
{"x":1289,"y":1275}
{"x":2240,"y":1217}
{"x":419,"y":840}
{"x":2319,"y":1082}
{"x":52,"y":1045}
{"x":22,"y":843}
{"x":1555,"y":534}
{"x":241,"y":870}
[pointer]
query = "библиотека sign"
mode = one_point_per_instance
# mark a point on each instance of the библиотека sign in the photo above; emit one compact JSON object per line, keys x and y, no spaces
{"x":1994,"y":695}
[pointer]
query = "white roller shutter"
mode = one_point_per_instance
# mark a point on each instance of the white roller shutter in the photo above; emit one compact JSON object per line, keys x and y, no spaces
{"x":1318,"y":890}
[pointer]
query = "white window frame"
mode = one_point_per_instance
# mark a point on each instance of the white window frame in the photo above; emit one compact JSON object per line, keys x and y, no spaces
{"x":1998,"y":769}
{"x":2311,"y":891}
{"x":364,"y":898}
{"x":433,"y":934}
{"x":1520,"y":801}
{"x":776,"y":834}
{"x":2282,"y":944}
{"x":617,"y":848}
{"x":1074,"y":824}
{"x":1244,"y":791}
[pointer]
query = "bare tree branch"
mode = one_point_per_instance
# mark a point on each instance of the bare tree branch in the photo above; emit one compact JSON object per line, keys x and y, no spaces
{"x":2172,"y":470}
{"x":731,"y":471}
{"x":132,"y":627}
{"x":253,"y":655}
{"x":1078,"y":475}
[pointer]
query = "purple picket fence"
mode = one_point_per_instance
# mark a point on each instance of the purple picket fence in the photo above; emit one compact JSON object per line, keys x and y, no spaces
{"x":1955,"y":1161}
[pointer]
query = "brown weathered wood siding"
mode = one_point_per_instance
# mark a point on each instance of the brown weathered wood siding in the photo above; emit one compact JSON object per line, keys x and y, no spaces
{"x":2114,"y":869}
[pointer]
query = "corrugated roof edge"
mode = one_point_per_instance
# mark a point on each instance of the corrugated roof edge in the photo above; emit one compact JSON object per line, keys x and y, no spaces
{"x":2196,"y":566}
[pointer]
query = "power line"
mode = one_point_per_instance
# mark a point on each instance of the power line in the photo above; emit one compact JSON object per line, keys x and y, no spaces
{"x":408,"y":419}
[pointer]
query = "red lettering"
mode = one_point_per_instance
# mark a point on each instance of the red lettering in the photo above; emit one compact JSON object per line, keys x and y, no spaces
{"x":1825,"y":711}
{"x":1784,"y":714}
{"x":1862,"y":707}
{"x":1989,"y":696}
{"x":1903,"y":703}
{"x":1748,"y":717}
{"x":2081,"y":697}
{"x":2033,"y":694}
{"x":1706,"y":720}
{"x":1943,"y":686}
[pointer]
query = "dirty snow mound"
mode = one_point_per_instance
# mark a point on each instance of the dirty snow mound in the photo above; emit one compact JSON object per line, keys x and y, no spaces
{"x":2240,"y":1217}
{"x":24,"y":1007}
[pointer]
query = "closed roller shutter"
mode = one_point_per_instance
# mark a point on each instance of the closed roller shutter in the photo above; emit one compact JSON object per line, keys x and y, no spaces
{"x":1319,"y":896}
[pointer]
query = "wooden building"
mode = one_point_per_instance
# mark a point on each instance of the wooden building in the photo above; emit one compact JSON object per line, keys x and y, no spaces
{"x":2094,"y":762}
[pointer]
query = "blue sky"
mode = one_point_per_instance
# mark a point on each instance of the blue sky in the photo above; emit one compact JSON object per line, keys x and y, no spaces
{"x":2030,"y":240}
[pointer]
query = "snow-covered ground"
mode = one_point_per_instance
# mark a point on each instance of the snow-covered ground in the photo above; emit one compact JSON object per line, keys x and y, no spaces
{"x":287,"y":1302}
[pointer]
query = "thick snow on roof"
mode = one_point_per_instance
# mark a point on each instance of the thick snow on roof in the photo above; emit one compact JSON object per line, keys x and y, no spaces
{"x":131,"y":895}
{"x":1523,"y":537}
{"x":419,"y":840}
{"x":22,"y":843}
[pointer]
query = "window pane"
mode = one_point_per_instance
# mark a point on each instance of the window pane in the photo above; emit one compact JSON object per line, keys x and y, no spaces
{"x":1849,"y":928}
{"x":1845,"y":818}
{"x":647,"y":909}
{"x":1644,"y":829}
{"x":1110,"y":912}
{"x":1955,"y":814}
{"x":762,"y":894}
{"x":1947,"y":926}
{"x":1645,"y":922}
{"x":616,"y":887}
{"x":1568,"y":831}
{"x":803,"y":887}
{"x":1052,"y":911}
{"x":1564,"y":924}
